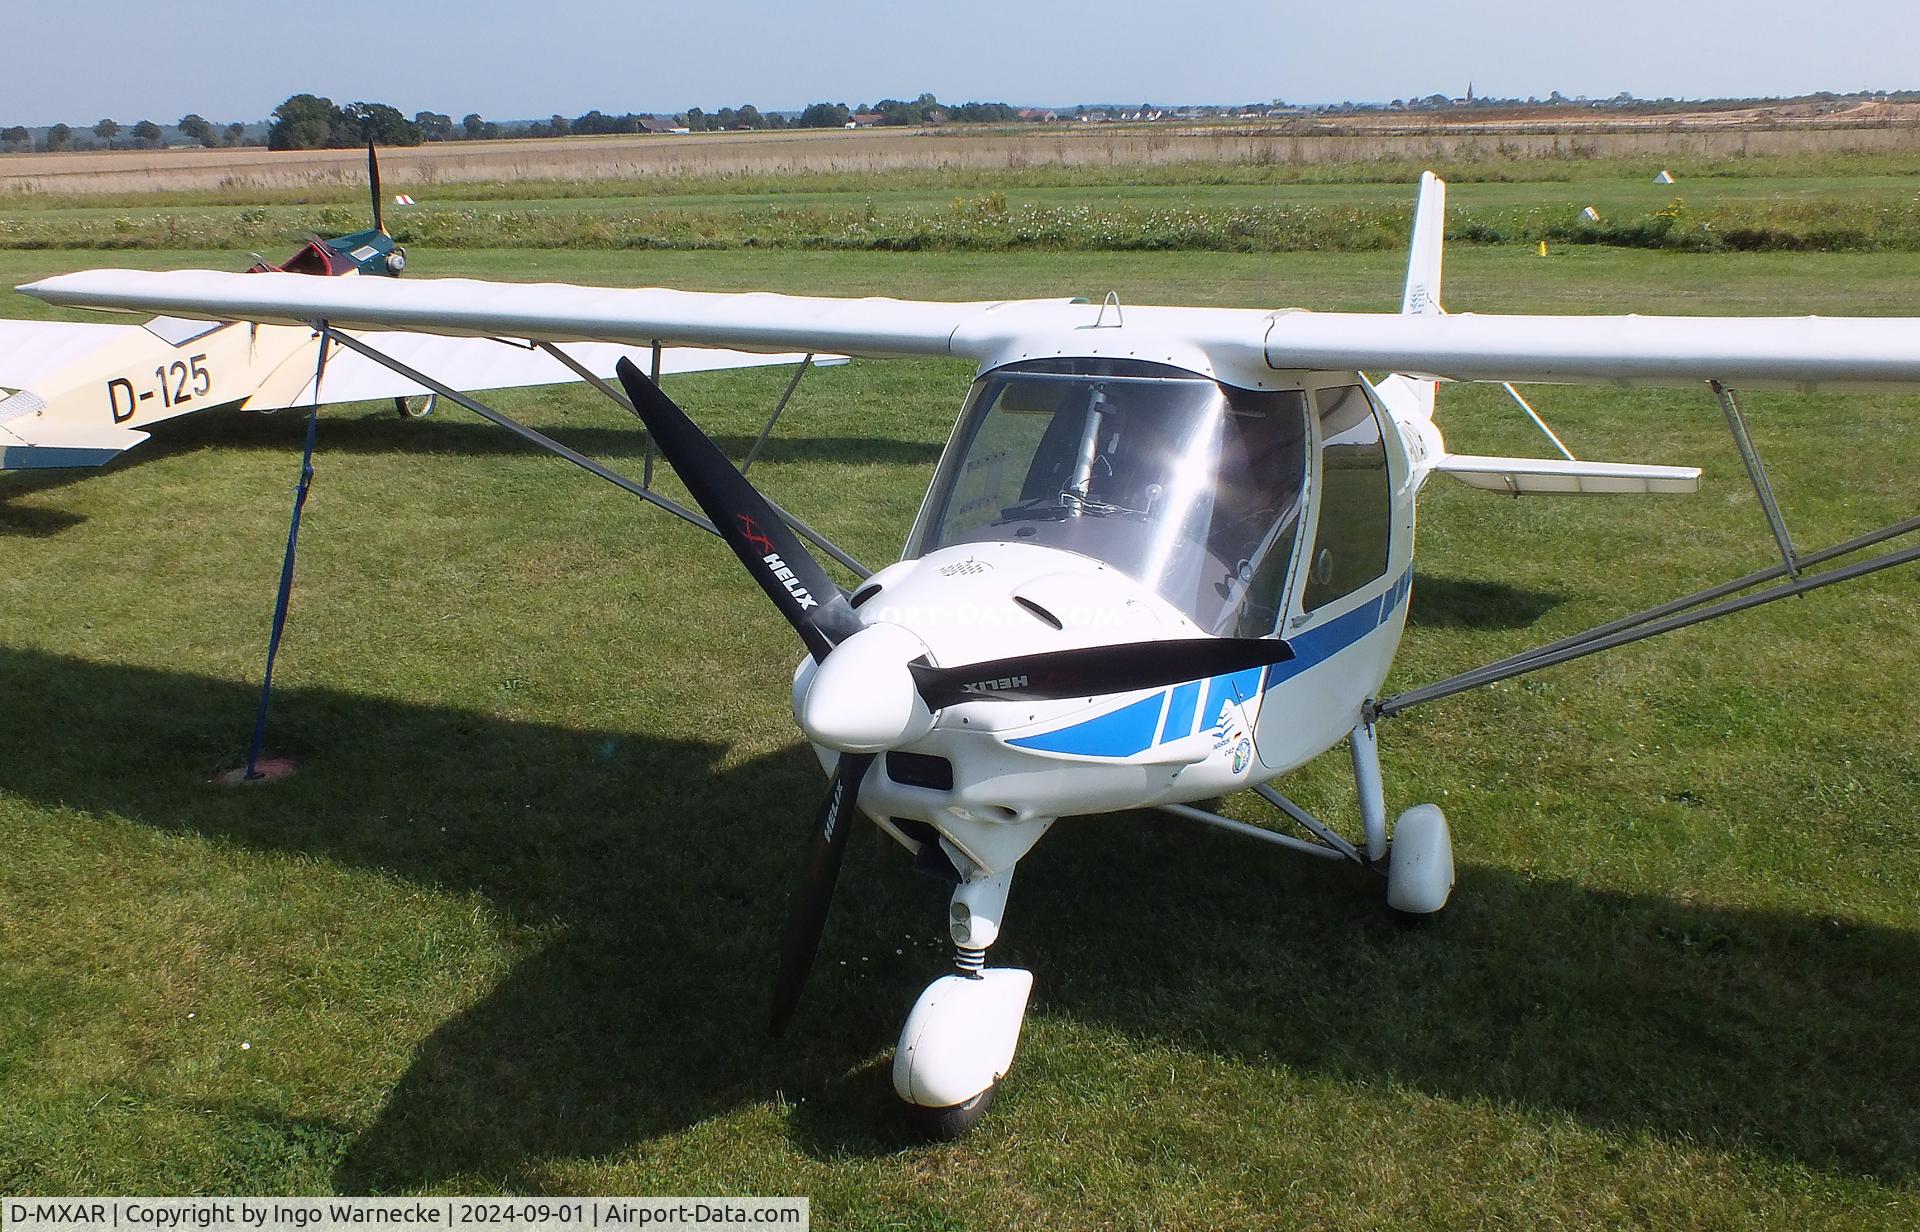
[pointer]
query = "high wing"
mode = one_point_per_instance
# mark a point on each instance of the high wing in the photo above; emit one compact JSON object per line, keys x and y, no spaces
{"x":1800,"y":353}
{"x":1807,"y":354}
{"x":549,"y":312}
{"x":473,"y":365}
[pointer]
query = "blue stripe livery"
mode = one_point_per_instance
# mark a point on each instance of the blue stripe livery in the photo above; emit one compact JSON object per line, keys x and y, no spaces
{"x":1118,"y":733}
{"x":1137,"y":727}
{"x":1180,"y":712}
{"x":1239,"y":687}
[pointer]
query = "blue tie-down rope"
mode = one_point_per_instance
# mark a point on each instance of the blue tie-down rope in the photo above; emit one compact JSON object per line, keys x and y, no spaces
{"x":286,"y":572}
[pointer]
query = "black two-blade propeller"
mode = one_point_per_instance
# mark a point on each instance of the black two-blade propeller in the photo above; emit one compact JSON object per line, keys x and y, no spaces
{"x":373,"y":182}
{"x":819,"y":611}
{"x":1058,"y":674}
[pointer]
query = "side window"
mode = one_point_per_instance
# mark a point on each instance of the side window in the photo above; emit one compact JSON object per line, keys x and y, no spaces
{"x":1356,"y":499}
{"x":1256,"y":512}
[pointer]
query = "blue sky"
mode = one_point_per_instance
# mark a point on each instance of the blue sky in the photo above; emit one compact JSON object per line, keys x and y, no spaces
{"x":78,"y":60}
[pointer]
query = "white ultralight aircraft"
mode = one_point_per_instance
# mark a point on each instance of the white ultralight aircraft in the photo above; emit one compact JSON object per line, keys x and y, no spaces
{"x":1167,"y":555}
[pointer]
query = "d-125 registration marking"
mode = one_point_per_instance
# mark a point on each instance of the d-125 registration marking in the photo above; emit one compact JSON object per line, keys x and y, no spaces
{"x":123,"y":400}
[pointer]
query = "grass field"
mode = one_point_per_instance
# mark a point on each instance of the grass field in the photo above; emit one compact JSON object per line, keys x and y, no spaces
{"x":1864,"y":212}
{"x":512,"y":926}
{"x":1811,"y":202}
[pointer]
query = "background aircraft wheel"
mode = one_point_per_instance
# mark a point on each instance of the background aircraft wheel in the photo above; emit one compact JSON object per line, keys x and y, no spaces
{"x":946,"y":1124}
{"x":416,"y":407}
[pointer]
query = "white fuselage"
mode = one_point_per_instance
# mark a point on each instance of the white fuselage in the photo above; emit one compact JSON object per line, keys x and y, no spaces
{"x":1014,"y":767}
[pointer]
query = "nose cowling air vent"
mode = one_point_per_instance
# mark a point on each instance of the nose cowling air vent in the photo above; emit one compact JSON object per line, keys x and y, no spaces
{"x":920,"y":770}
{"x":1039,"y":613}
{"x":1105,"y":600}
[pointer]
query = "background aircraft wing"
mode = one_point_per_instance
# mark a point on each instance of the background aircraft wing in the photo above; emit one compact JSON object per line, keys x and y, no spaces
{"x":1803,"y":353}
{"x":474,"y":364}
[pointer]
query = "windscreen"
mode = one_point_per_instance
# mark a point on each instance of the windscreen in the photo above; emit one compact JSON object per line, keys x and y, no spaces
{"x":1191,"y":487}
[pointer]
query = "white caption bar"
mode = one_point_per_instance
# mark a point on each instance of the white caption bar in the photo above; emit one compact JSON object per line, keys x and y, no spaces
{"x":401,"y":1214}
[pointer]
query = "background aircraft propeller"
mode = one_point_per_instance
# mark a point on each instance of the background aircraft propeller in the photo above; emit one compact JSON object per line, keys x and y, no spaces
{"x":373,"y":183}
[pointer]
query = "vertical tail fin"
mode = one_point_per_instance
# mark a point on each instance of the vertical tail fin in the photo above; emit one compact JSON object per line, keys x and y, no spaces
{"x":1410,"y":399}
{"x":1422,"y":296}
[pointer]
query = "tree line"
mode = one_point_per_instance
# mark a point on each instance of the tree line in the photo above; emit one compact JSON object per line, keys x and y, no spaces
{"x":307,"y":122}
{"x":311,"y":122}
{"x":143,"y":135}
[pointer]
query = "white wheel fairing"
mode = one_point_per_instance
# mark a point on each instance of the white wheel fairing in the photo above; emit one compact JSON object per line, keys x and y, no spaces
{"x":1420,"y":862}
{"x":960,"y":1038}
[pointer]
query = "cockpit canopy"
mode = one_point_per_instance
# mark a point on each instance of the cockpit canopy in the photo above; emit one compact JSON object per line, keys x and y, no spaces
{"x":1189,"y":486}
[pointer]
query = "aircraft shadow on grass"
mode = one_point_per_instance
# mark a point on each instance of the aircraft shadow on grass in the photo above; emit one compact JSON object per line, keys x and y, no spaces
{"x":1763,"y":1032}
{"x":1441,"y":602}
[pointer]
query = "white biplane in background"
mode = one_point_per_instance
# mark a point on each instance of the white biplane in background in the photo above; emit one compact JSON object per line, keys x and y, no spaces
{"x":1167,"y":555}
{"x":77,"y":394}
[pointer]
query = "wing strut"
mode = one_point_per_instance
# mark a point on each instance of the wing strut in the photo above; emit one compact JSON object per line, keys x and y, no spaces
{"x":779,"y":409}
{"x":625,"y":403}
{"x":1757,"y":473}
{"x":643,"y":490}
{"x":1702,"y":605}
{"x":1677,"y":614}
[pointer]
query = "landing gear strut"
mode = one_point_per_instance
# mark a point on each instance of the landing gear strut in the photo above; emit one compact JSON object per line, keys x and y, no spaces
{"x":1417,"y":862}
{"x":959,"y":1039}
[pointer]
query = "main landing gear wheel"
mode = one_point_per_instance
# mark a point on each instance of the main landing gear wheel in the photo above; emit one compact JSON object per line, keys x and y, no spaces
{"x":947,"y":1124}
{"x":1420,"y":865}
{"x":418,"y":407}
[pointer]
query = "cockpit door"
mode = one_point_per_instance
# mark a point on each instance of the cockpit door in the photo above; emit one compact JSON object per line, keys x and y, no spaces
{"x":1352,"y":533}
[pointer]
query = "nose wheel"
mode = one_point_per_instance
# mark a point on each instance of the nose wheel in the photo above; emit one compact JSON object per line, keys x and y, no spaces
{"x":957,"y":1045}
{"x":947,"y":1124}
{"x":959,"y":1039}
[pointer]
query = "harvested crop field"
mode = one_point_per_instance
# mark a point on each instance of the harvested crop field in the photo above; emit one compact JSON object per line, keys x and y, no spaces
{"x":839,"y":152}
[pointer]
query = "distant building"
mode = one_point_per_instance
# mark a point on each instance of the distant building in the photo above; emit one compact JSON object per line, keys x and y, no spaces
{"x":1038,"y":115}
{"x":865,"y":119}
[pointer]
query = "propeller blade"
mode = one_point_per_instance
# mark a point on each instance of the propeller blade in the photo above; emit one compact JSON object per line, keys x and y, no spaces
{"x":373,"y":181}
{"x":813,"y":895}
{"x":1093,"y":670}
{"x":812,"y":601}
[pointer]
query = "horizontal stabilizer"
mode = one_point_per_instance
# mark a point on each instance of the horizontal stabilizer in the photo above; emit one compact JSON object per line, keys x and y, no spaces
{"x":1562,"y":475}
